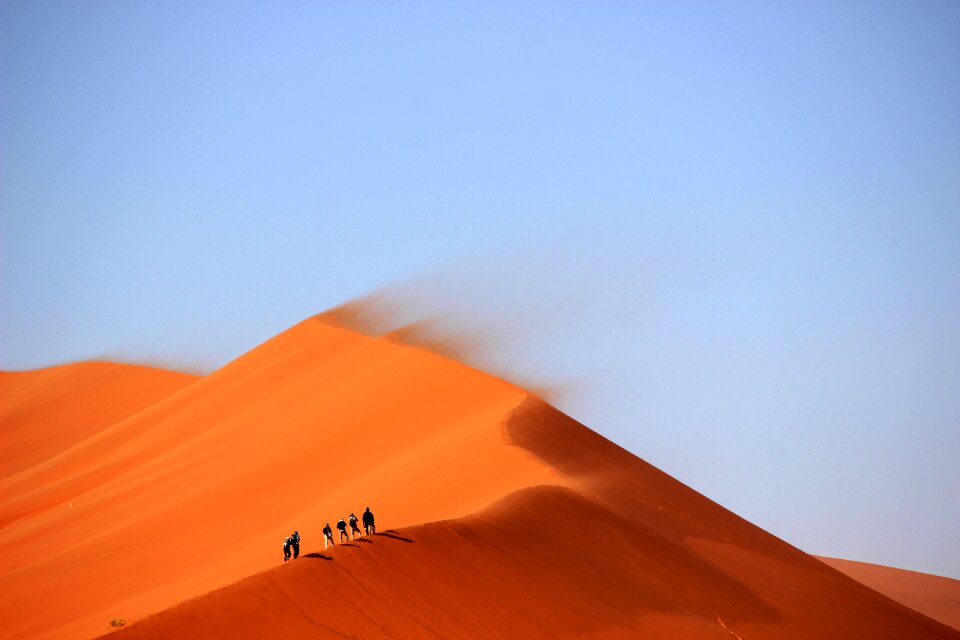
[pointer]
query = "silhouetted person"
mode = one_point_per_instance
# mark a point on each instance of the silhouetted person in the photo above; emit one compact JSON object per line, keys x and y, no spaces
{"x":295,"y":543}
{"x":327,"y":536}
{"x":286,"y":548}
{"x":343,"y":530}
{"x":354,"y":529}
{"x":368,"y":525}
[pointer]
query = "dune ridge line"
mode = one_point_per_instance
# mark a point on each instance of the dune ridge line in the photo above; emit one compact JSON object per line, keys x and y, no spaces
{"x":501,"y":517}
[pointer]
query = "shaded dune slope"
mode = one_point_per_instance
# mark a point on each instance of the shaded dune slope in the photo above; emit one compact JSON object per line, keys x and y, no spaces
{"x":615,"y":550}
{"x":935,"y":596}
{"x":509,"y":519}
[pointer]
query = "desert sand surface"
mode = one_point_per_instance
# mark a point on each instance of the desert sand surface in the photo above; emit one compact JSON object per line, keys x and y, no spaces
{"x":935,"y":596}
{"x":498,"y":516}
{"x":47,"y":411}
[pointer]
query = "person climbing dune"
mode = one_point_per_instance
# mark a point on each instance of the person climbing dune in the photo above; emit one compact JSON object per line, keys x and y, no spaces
{"x":342,"y":526}
{"x":286,"y":548}
{"x":354,"y":529}
{"x":327,"y":536}
{"x":368,"y":524}
{"x":295,"y":544}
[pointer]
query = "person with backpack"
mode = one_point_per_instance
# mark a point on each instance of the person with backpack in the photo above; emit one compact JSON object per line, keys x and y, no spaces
{"x":368,"y":524}
{"x":342,"y":526}
{"x":286,"y":548}
{"x":327,"y":536}
{"x":295,"y":543}
{"x":354,"y":529}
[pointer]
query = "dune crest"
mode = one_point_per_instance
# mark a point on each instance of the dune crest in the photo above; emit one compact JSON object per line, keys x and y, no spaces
{"x":198,"y":490}
{"x":618,"y":549}
{"x":500,"y":517}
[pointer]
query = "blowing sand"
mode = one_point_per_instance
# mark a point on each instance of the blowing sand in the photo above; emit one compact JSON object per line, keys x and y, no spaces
{"x":499,"y":516}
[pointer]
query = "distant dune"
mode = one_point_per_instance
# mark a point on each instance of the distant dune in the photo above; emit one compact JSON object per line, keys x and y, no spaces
{"x":935,"y":596}
{"x":48,"y":411}
{"x":499,"y":516}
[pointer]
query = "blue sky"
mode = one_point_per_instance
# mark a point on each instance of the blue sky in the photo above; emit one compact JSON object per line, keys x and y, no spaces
{"x":733,"y":228}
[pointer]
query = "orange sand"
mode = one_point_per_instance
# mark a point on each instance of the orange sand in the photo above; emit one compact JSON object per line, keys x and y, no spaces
{"x":506,"y":518}
{"x":935,"y":596}
{"x":48,"y":411}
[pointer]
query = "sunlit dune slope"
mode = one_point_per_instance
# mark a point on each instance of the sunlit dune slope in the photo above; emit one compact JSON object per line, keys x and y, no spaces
{"x":935,"y":596}
{"x":618,"y":549}
{"x":502,"y":517}
{"x":47,"y":411}
{"x":198,"y":490}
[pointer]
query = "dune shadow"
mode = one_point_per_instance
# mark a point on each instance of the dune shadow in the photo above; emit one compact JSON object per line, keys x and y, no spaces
{"x":317,"y":556}
{"x":363,"y":540}
{"x":394,"y":535}
{"x":348,"y":544}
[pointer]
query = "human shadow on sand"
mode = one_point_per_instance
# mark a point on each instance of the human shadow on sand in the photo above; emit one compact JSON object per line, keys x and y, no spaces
{"x":394,"y":535}
{"x":317,"y":556}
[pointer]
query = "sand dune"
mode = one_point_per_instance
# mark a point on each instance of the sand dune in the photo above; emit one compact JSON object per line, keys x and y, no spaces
{"x":507,"y":518}
{"x":934,"y":596}
{"x":46,"y":412}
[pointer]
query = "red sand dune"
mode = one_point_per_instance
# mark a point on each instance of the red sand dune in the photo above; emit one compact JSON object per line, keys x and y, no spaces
{"x":48,"y":411}
{"x":506,"y":517}
{"x":931,"y":595}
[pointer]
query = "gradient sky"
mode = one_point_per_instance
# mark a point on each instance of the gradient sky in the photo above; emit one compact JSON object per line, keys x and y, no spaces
{"x":733,"y":228}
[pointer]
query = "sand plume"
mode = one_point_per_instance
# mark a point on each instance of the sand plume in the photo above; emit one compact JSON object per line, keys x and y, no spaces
{"x":500,"y":516}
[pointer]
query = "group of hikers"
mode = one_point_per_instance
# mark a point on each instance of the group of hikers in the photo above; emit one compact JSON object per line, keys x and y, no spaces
{"x":291,"y":545}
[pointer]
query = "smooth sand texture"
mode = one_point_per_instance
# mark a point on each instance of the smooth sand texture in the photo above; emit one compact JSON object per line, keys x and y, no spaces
{"x":47,"y":411}
{"x":931,"y":595}
{"x":501,"y":517}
